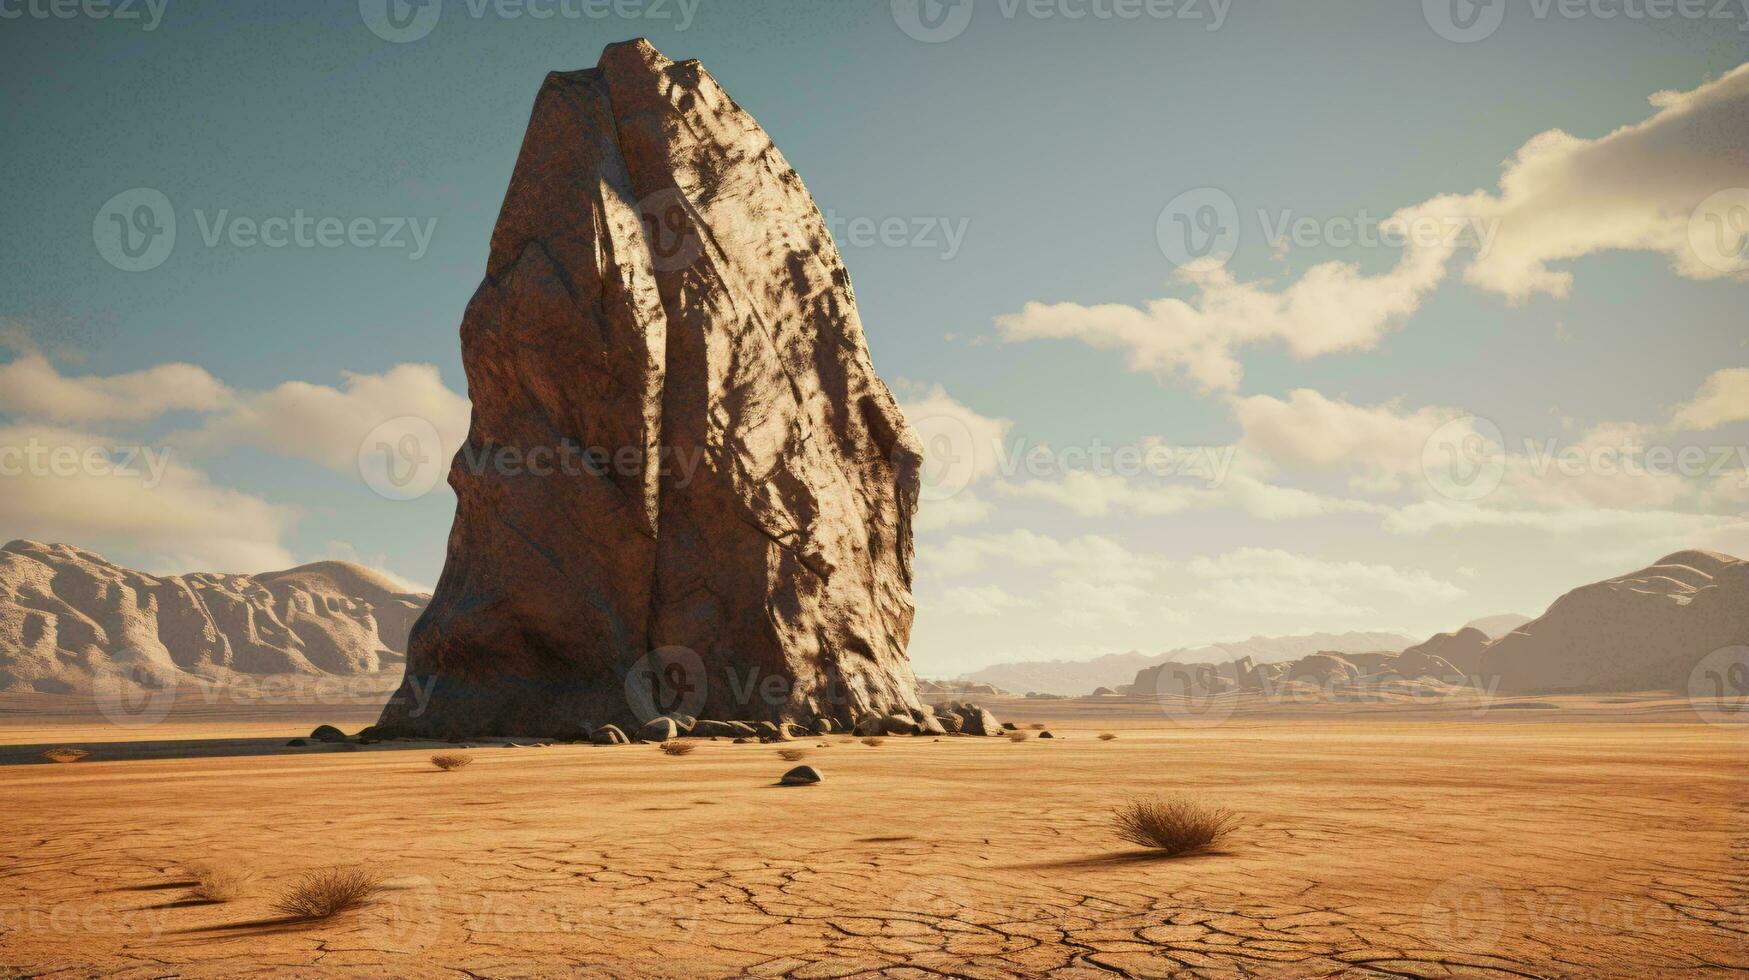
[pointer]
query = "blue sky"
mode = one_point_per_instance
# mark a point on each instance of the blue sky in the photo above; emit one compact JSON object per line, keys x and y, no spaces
{"x":1052,"y":144}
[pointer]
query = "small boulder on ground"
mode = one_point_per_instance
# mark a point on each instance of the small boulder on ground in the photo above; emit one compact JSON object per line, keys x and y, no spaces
{"x":897,"y":724}
{"x":659,"y":729}
{"x":328,"y":733}
{"x":974,"y":720}
{"x":297,"y":741}
{"x":822,"y":726}
{"x":609,"y":735}
{"x":1046,"y":735}
{"x":801,"y":776}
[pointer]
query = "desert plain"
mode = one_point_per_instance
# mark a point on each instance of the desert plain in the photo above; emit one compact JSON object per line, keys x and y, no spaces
{"x":1557,"y":836}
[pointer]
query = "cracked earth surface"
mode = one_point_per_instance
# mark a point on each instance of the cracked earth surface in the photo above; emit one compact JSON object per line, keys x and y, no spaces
{"x":1369,"y":848}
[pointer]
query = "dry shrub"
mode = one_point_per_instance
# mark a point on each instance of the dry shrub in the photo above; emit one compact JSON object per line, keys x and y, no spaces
{"x":873,"y":741}
{"x":1173,"y":824}
{"x":792,"y":755}
{"x":450,"y":760}
{"x":1019,"y":736}
{"x":327,"y":892}
{"x":1106,"y":736}
{"x":678,"y":748}
{"x":1037,"y":726}
{"x":216,"y":883}
{"x":64,"y":755}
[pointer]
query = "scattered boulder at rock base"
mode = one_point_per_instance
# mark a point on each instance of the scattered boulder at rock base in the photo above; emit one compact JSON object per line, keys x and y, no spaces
{"x":801,"y":776}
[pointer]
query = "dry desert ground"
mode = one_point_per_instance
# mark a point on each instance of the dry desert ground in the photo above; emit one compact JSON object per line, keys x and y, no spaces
{"x":1572,"y":837}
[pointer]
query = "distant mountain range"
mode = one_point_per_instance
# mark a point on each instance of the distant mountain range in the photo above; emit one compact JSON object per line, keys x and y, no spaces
{"x":69,"y":617}
{"x":1076,"y":677}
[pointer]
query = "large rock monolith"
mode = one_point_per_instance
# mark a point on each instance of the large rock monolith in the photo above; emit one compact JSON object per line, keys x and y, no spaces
{"x":678,"y":445}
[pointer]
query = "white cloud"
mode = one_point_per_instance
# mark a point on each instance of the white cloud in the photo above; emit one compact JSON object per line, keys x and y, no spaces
{"x":1563,"y":197}
{"x":160,"y":516}
{"x":1673,"y":184}
{"x":31,"y":386}
{"x":1090,"y":556}
{"x":1091,"y":494}
{"x":977,"y":600}
{"x":1334,"y":307}
{"x":963,"y":508}
{"x":1252,"y":573}
{"x":326,"y":425}
{"x":1379,"y":444}
{"x":1722,"y":399}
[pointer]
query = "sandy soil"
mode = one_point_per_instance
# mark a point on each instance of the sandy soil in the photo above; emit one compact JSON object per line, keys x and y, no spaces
{"x":1589,"y":837}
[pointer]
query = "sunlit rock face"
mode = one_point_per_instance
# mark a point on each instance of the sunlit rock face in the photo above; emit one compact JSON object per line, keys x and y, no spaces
{"x":666,"y":324}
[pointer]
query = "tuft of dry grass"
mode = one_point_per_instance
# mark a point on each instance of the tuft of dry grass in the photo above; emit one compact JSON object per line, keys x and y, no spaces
{"x":1037,"y":726}
{"x":218,"y":883}
{"x":1019,"y":736}
{"x":1173,"y":824}
{"x":450,"y":760}
{"x":792,"y":755}
{"x":327,"y":892}
{"x":64,"y":755}
{"x":678,"y":748}
{"x":1106,"y":736}
{"x":873,"y":741}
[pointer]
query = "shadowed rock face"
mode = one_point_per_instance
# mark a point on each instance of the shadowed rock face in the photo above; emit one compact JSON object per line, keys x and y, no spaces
{"x":664,"y":301}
